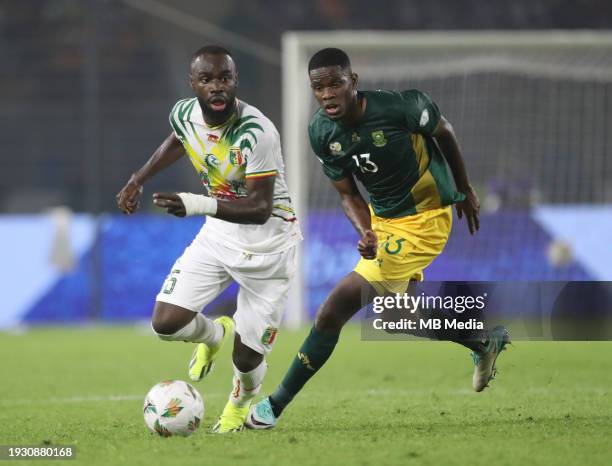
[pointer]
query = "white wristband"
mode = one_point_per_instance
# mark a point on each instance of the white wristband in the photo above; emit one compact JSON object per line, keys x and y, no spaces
{"x":198,"y":204}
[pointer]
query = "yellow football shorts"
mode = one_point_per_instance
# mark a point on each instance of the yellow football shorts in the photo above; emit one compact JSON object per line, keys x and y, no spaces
{"x":406,"y":246}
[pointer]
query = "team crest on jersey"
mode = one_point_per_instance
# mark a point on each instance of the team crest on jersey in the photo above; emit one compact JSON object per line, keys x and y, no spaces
{"x":211,"y":160}
{"x":212,"y":137}
{"x":379,"y":138}
{"x":355,"y":137}
{"x":269,"y":336}
{"x":336,"y":148}
{"x":236,"y":158}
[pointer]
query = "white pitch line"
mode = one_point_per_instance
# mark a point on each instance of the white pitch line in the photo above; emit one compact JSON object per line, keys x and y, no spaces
{"x":604,"y":391}
{"x":83,"y":399}
{"x":71,"y":399}
{"x":470,"y":392}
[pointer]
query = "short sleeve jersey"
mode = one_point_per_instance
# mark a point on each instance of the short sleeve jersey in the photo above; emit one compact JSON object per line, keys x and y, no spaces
{"x":390,"y":150}
{"x":246,"y":146}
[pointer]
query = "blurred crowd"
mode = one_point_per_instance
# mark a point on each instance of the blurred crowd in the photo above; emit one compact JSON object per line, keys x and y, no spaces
{"x":86,"y":85}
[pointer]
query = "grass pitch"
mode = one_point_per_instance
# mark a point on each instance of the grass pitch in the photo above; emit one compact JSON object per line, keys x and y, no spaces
{"x":373,"y":403}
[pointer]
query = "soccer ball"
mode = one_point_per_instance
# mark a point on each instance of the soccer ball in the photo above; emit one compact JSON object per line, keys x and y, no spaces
{"x":173,"y":407}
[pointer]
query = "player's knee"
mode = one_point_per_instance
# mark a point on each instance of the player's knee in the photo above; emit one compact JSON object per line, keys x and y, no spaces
{"x":246,"y":363}
{"x":170,"y":332}
{"x":164,"y":326}
{"x":168,"y":320}
{"x":328,"y":321}
{"x":341,"y":304}
{"x":330,"y":317}
{"x":159,"y":325}
{"x":245,"y":358}
{"x":162,"y":330}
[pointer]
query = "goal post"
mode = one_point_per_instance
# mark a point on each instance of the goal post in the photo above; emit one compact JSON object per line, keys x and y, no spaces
{"x":294,"y":101}
{"x":532,"y":110}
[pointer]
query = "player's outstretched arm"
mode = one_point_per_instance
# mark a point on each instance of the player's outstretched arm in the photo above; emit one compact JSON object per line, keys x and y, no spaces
{"x":357,"y":211}
{"x":166,"y":154}
{"x":470,"y":207}
{"x":255,"y":208}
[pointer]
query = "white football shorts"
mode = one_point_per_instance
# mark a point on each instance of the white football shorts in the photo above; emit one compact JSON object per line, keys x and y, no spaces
{"x":206,"y":268}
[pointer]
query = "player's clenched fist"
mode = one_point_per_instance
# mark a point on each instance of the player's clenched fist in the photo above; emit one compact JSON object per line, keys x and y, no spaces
{"x":368,"y":245}
{"x":127,"y":198}
{"x":172,"y":202}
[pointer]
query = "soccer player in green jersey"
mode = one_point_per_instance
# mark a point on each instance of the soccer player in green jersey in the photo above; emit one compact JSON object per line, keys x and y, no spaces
{"x":397,"y":144}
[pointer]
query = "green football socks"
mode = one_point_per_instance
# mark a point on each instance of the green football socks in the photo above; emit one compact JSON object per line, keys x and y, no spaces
{"x":314,"y":352}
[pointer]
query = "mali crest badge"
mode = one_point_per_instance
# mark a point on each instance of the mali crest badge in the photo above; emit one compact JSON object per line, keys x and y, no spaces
{"x":378,"y":137}
{"x":236,"y":158}
{"x":269,"y":336}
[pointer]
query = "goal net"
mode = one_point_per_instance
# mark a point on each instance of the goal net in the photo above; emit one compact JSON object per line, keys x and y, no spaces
{"x":533,"y":114}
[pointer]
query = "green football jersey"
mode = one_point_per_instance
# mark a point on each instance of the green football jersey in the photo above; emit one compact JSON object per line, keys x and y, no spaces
{"x":390,"y":150}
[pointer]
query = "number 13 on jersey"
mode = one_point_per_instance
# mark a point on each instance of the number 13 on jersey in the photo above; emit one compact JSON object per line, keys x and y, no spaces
{"x":364,"y":163}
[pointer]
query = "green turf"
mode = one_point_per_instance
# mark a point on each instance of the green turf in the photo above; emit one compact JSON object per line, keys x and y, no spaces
{"x":373,"y":403}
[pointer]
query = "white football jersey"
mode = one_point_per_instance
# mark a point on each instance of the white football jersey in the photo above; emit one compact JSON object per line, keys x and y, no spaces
{"x":246,"y":146}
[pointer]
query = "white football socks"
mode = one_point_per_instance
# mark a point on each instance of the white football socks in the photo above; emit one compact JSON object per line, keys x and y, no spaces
{"x":247,"y":385}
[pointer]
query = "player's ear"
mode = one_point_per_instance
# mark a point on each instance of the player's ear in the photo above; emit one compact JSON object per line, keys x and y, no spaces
{"x":354,"y":79}
{"x":191,"y":82}
{"x":236,"y":79}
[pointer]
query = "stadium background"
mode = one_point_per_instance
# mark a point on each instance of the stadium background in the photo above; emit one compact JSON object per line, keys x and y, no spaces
{"x":87,"y":86}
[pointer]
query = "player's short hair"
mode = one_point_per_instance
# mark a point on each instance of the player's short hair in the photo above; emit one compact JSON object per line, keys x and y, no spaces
{"x":329,"y":57}
{"x":211,"y":50}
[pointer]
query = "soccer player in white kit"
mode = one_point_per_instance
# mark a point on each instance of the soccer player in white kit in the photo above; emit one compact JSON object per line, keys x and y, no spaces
{"x":249,"y":236}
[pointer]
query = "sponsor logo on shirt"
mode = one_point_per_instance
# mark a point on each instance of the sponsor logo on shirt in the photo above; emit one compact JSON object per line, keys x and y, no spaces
{"x":355,"y":137}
